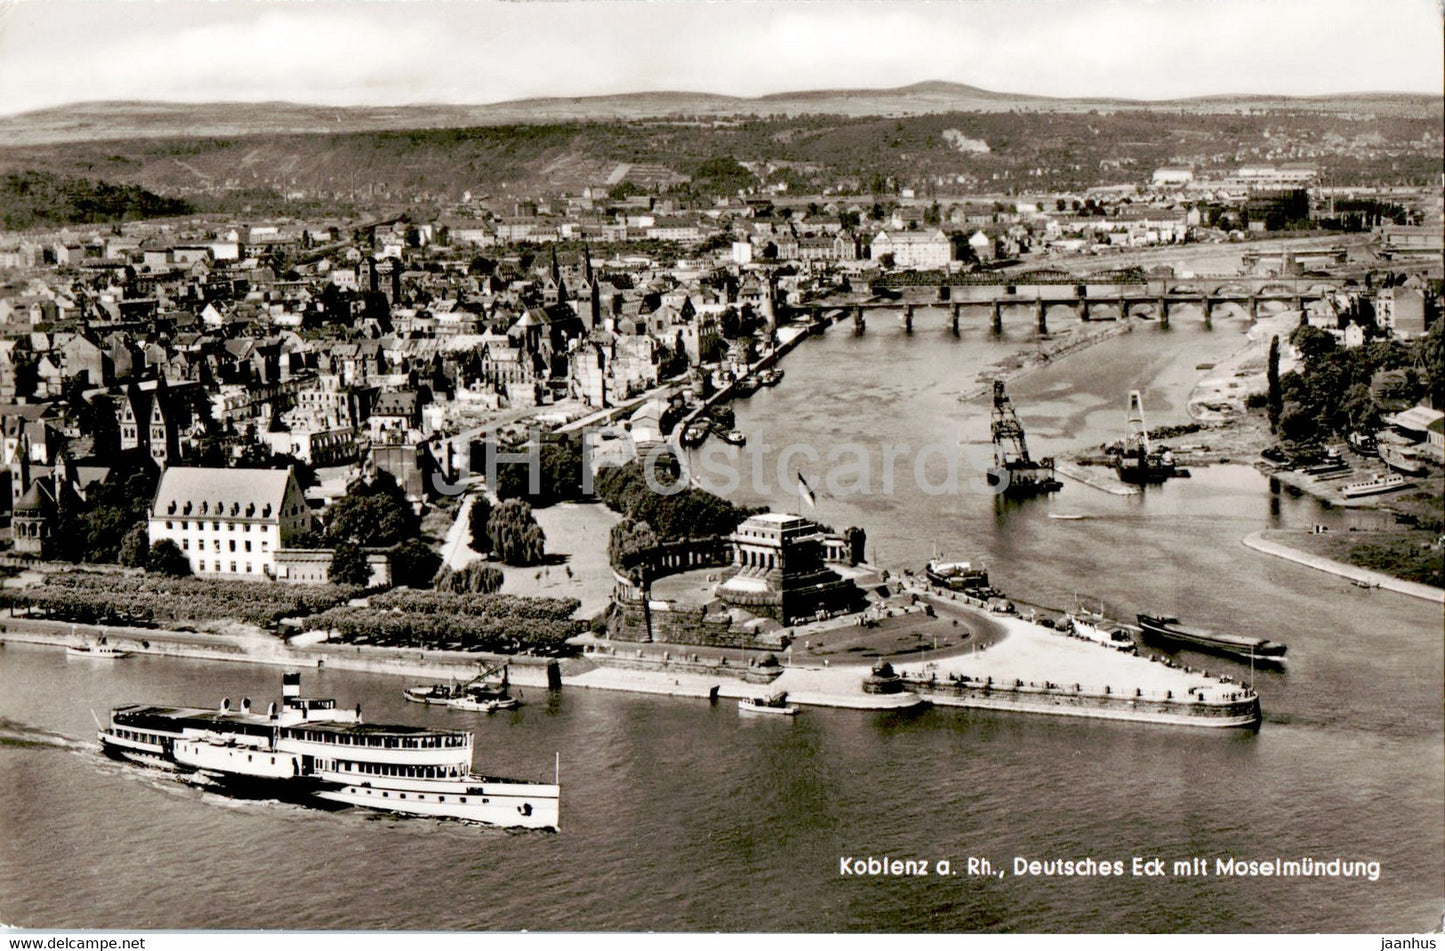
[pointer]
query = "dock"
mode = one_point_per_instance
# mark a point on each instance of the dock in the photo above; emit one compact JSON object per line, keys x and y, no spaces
{"x":1095,"y":480}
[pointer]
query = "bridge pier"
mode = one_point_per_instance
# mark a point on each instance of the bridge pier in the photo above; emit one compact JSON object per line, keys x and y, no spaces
{"x":859,"y":324}
{"x":1163,"y":313}
{"x":953,"y":320}
{"x":908,"y":319}
{"x":1253,"y":309}
{"x":1208,"y":314}
{"x":1084,"y":310}
{"x":944,"y":292}
{"x":1042,"y":320}
{"x":995,"y":324}
{"x":1124,"y":305}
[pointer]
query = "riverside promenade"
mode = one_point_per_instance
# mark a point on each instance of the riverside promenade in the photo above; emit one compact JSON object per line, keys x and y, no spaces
{"x":1048,"y":662}
{"x":1376,"y":579}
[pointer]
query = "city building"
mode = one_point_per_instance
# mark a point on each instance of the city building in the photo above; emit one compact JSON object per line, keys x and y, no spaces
{"x":229,"y":523}
{"x":913,"y":249}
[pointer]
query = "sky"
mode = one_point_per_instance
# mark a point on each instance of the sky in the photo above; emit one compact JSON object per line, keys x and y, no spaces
{"x":393,"y":52}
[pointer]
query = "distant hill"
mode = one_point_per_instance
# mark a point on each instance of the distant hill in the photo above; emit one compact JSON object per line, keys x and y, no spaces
{"x":100,"y":121}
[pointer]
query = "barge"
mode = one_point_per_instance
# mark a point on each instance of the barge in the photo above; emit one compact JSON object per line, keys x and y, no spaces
{"x":1226,"y":705}
{"x":1166,"y":629}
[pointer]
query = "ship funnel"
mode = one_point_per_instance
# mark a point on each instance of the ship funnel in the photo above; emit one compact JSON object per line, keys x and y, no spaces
{"x":291,"y":684}
{"x":226,"y":705}
{"x":246,"y":705}
{"x":271,"y":710}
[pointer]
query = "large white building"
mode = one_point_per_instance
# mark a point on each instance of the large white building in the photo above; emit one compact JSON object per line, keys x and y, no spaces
{"x":229,"y":522}
{"x":915,"y":249}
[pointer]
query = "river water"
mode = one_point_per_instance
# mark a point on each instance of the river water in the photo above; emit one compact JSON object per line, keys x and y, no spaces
{"x":682,"y":816}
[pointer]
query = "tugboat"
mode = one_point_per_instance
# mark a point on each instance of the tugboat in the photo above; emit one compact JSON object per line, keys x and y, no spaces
{"x":478,"y":694}
{"x":1140,"y":463}
{"x":1166,"y":629}
{"x":1363,"y":444}
{"x":1014,"y":474}
{"x":771,"y":376}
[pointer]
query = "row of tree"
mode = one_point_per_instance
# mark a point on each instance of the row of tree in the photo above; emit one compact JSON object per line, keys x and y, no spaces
{"x":89,"y":597}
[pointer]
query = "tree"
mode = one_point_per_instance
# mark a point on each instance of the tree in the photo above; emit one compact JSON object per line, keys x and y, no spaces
{"x":630,"y":546}
{"x":349,"y":566}
{"x":1275,"y":404}
{"x":477,"y":518}
{"x":135,"y":546}
{"x":517,"y":539}
{"x":373,"y":515}
{"x":1312,"y":344}
{"x":167,"y":559}
{"x":476,"y":578}
{"x":414,"y":564}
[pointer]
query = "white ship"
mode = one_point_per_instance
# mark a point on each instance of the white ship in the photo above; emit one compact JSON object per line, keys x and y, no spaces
{"x":1376,"y":486}
{"x":311,"y":749}
{"x":1097,"y":627}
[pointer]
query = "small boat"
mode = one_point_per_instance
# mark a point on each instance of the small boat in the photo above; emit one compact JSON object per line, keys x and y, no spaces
{"x":1364,"y":444}
{"x":438,"y":694}
{"x":772,"y":376}
{"x":776,"y":705}
{"x":100,"y":651}
{"x":735,"y":437}
{"x":1376,"y":486}
{"x":746,"y":386}
{"x":476,"y":704}
{"x":694,"y":434}
{"x":1066,"y":517}
{"x":1327,"y":467}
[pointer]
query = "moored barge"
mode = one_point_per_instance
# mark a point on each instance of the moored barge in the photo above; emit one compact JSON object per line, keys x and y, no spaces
{"x":1167,"y":629}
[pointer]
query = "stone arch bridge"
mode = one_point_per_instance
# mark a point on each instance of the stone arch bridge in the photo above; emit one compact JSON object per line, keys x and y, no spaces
{"x":1088,"y":297}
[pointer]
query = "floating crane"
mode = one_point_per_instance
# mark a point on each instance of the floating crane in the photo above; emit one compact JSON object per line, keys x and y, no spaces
{"x":1140,"y":462}
{"x":1019,"y":475}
